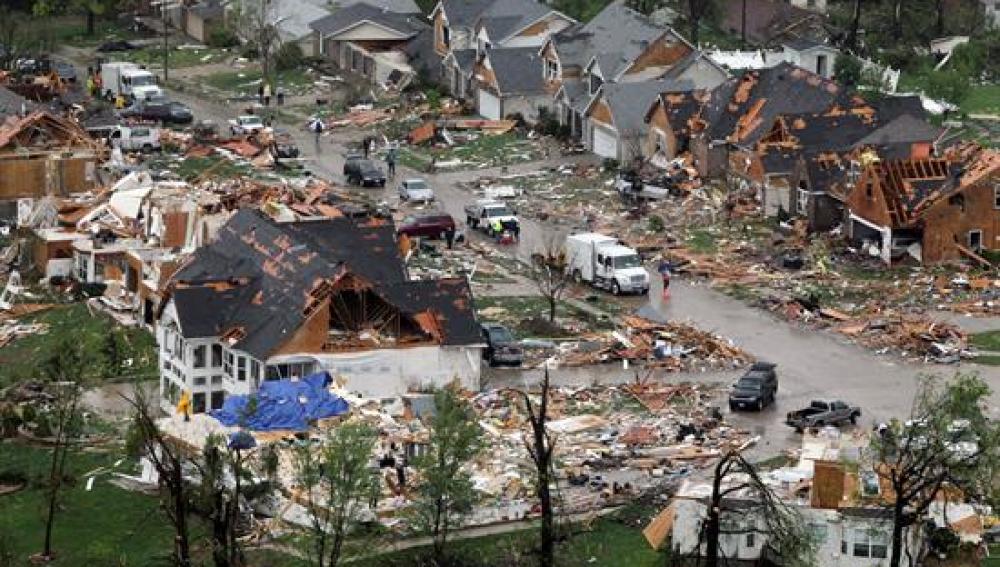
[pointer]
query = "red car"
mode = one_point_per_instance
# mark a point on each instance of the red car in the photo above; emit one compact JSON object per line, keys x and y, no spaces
{"x":427,"y":226}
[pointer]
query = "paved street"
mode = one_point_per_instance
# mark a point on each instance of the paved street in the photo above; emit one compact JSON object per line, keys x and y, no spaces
{"x":812,"y":365}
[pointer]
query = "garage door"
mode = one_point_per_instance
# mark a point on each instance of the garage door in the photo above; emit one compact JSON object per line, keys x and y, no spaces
{"x":605,"y":143}
{"x":489,"y":105}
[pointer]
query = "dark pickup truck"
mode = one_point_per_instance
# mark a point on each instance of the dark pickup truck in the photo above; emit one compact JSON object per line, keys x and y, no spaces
{"x":821,"y":414}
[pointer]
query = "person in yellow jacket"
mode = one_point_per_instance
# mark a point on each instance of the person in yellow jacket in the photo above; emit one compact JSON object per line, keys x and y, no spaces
{"x":184,"y":405}
{"x":496,"y":227}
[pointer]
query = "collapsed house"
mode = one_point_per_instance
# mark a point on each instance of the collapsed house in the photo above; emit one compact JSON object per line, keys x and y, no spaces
{"x":931,"y":209}
{"x":269,"y":300}
{"x":42,"y":154}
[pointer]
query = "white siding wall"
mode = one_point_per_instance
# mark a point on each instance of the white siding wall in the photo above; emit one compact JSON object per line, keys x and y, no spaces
{"x":390,"y":372}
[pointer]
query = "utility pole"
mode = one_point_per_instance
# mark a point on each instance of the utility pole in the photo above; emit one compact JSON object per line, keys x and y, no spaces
{"x":164,"y":6}
{"x":743,"y":27}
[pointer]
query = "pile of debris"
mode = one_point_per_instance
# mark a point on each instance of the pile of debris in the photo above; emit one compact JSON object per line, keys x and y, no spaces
{"x":670,"y":346}
{"x":11,"y":330}
{"x":910,"y":336}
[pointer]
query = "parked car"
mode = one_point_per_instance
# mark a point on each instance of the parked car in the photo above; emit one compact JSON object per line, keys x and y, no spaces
{"x":501,"y":346}
{"x":283,"y":146}
{"x":364,"y":172}
{"x":415,"y":190}
{"x":65,"y":70}
{"x":159,"y":110}
{"x":756,"y":389}
{"x":821,"y":414}
{"x":434,"y":225}
{"x":245,"y":125}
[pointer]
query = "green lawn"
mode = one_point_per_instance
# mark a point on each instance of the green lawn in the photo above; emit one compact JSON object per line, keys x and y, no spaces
{"x":245,"y":82}
{"x":984,"y":99}
{"x":484,"y":151}
{"x":525,"y":315}
{"x":103,"y":526}
{"x":99,"y":336}
{"x":179,"y":58}
{"x":990,"y":340}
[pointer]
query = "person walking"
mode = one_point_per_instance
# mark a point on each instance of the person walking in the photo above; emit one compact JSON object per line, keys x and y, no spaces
{"x":280,"y":95}
{"x":317,"y":128}
{"x":390,"y":161}
{"x":260,"y":92}
{"x":449,"y":237}
{"x":366,"y":145}
{"x":664,"y":270}
{"x":267,"y":94}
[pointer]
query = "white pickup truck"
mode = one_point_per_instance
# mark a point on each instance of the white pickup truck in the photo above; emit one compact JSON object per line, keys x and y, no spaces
{"x":485,"y":212}
{"x":245,"y":125}
{"x":135,"y":138}
{"x":605,"y":263}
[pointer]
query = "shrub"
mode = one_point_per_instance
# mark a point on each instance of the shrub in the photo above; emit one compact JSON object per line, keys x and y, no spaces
{"x":222,"y":37}
{"x":950,"y":86}
{"x":289,"y":56}
{"x":847,"y":69}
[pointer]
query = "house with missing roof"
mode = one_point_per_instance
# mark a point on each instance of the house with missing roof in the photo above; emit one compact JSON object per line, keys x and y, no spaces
{"x":268,"y":300}
{"x":843,"y":499}
{"x":370,"y":40}
{"x":932,"y":209}
{"x":671,"y":120}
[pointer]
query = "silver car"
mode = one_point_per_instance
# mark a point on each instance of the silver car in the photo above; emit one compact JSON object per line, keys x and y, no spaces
{"x":415,"y":190}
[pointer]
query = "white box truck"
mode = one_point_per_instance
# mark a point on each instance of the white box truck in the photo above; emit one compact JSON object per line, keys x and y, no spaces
{"x":605,"y":263}
{"x":129,"y":80}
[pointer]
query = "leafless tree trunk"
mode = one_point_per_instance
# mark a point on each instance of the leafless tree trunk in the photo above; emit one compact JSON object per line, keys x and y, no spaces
{"x":549,"y":271}
{"x":168,"y":462}
{"x":540,"y":445}
{"x":852,"y":38}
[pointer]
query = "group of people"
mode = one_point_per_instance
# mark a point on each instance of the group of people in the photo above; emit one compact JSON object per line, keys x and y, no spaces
{"x":264,"y":94}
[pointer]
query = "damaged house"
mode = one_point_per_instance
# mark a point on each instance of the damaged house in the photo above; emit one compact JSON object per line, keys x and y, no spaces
{"x":931,"y":209}
{"x":672,"y":119}
{"x":615,"y":116}
{"x":269,"y":300}
{"x":619,"y":45}
{"x":370,"y":40}
{"x":42,"y":154}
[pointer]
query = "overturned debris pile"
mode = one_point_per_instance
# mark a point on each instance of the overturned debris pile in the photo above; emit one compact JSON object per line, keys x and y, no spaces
{"x":671,"y":346}
{"x":910,"y":335}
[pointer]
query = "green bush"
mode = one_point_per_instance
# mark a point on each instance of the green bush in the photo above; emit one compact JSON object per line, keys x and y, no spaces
{"x":847,"y":69}
{"x":289,"y":56}
{"x":222,"y":38}
{"x":950,"y":86}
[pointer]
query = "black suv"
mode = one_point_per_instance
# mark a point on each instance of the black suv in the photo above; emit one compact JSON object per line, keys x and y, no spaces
{"x":363,"y":172}
{"x":756,"y":389}
{"x":501,"y":346}
{"x":159,"y":110}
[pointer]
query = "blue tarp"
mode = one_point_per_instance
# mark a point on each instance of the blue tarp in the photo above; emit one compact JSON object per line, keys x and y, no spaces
{"x":283,"y":405}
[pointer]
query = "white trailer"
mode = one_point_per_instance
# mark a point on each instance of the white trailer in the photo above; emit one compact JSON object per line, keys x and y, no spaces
{"x":128,"y":80}
{"x":605,"y":263}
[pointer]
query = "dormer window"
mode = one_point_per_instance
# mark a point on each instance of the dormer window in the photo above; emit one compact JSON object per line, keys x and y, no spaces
{"x":595,"y":83}
{"x":551,"y":70}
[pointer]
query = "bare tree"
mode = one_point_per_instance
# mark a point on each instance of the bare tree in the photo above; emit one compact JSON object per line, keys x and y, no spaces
{"x":761,"y":513}
{"x":259,"y":28}
{"x":338,"y":485}
{"x":852,"y":37}
{"x":549,"y":271}
{"x":168,"y":461}
{"x":948,"y":441}
{"x":540,"y":444}
{"x":64,"y":369}
{"x":222,"y":473}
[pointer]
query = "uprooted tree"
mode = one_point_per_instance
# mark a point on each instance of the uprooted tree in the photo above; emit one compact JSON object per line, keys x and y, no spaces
{"x":948,"y":442}
{"x":445,"y":496}
{"x":759,"y":512}
{"x":337,"y":484}
{"x":540,"y":444}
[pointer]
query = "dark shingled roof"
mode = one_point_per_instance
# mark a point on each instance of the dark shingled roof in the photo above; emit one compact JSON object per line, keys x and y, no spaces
{"x":906,"y":129}
{"x":629,"y":102}
{"x":258,"y":273}
{"x":784,"y":89}
{"x":518,"y":70}
{"x":406,"y":24}
{"x":10,"y":103}
{"x":616,"y":36}
{"x":464,"y":13}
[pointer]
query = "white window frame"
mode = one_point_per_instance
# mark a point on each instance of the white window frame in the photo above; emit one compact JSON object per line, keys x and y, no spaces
{"x":867,"y":540}
{"x":969,"y":239}
{"x":551,"y":69}
{"x":996,"y":195}
{"x":802,"y":201}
